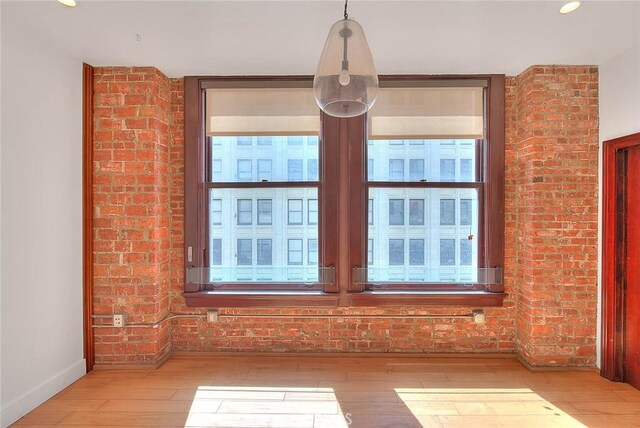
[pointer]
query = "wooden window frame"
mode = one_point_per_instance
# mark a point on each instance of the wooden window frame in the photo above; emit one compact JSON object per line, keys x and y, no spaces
{"x":342,"y":210}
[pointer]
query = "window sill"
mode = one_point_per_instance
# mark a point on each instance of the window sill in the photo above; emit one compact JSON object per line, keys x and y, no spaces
{"x":427,"y":298}
{"x":260,"y":299}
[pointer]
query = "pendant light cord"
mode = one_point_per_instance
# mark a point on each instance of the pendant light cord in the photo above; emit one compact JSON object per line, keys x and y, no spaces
{"x":346,"y":15}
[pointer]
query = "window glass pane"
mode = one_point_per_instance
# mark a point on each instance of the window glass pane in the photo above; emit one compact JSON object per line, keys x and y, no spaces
{"x":294,"y":170}
{"x":272,"y":156}
{"x":312,"y":212}
{"x":294,"y":212}
{"x":416,"y":252}
{"x":370,"y":252}
{"x":216,"y":252}
{"x":370,"y":211}
{"x":396,"y":212}
{"x":447,"y":212}
{"x":396,"y":169}
{"x":294,"y":251}
{"x":312,"y":252}
{"x":265,"y":255}
{"x":243,"y":252}
{"x":416,"y":170}
{"x":465,"y":212}
{"x":416,"y":211}
{"x":264,"y":211}
{"x":264,"y":169}
{"x":447,"y":252}
{"x":294,"y":141}
{"x":245,"y":208}
{"x":465,"y":252}
{"x":216,"y":211}
{"x":423,"y":159}
{"x":447,"y":170}
{"x":396,"y":252}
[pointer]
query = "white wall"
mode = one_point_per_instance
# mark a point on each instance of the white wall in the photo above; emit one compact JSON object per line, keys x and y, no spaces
{"x":41,"y":220}
{"x":619,"y":116}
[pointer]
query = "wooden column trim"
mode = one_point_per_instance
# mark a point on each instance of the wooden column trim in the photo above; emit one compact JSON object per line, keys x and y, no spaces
{"x":87,"y":213}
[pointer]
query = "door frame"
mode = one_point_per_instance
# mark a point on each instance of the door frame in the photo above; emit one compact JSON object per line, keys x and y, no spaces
{"x":613,"y":298}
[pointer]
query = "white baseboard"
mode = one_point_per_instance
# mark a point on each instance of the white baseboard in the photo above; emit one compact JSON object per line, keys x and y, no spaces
{"x":28,"y":401}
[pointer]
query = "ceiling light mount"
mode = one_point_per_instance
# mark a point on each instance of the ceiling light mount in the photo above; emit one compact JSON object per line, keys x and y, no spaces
{"x":346,"y":83}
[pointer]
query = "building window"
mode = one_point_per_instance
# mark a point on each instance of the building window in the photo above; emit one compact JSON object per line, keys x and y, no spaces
{"x":245,"y":212}
{"x":447,"y":252}
{"x":370,"y":170}
{"x":447,"y":170}
{"x":264,"y":170}
{"x":370,"y":252}
{"x":396,"y":169}
{"x":264,"y":141}
{"x":216,"y":212}
{"x":244,"y":256}
{"x":312,"y":252}
{"x":416,"y":212}
{"x":294,"y":141}
{"x":396,"y":212}
{"x":312,"y":211}
{"x":416,"y":252}
{"x":465,"y":252}
{"x":294,"y":170}
{"x":312,"y":169}
{"x":465,"y":212}
{"x":447,"y":212}
{"x":312,"y":140}
{"x":244,"y":170}
{"x":243,"y":141}
{"x":294,"y":211}
{"x":216,"y":169}
{"x":265,"y":254}
{"x":396,"y":252}
{"x":416,"y":170}
{"x":370,"y":212}
{"x":466,"y":172}
{"x":294,"y":251}
{"x":216,"y":252}
{"x":264,"y":211}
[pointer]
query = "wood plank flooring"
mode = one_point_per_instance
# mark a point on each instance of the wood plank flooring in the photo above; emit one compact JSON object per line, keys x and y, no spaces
{"x":339,"y":391}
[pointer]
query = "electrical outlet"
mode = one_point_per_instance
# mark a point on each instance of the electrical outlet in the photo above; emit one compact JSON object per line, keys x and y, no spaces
{"x":119,"y":320}
{"x":212,"y":315}
{"x":478,"y":316}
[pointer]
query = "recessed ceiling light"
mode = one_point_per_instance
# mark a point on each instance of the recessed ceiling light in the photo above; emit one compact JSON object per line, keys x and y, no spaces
{"x":70,"y":3}
{"x":570,"y":7}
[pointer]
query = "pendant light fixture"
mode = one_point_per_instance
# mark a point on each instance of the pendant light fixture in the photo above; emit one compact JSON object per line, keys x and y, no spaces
{"x":346,"y":83}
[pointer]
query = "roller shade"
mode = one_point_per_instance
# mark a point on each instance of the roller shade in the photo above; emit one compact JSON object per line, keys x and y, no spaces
{"x":425,"y":113}
{"x":261,"y":111}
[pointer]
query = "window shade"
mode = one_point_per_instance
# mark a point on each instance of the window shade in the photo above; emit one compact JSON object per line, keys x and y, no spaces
{"x":425,"y":113}
{"x":261,"y":111}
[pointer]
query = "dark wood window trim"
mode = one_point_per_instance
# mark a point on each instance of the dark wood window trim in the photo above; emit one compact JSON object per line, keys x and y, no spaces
{"x":342,"y":212}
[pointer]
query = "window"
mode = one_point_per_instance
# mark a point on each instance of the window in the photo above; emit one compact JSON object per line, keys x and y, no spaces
{"x":416,"y":212}
{"x":265,"y":254}
{"x":216,"y":211}
{"x":312,"y":169}
{"x":396,"y":212}
{"x":216,"y":252}
{"x":244,"y":256}
{"x":406,"y":132}
{"x":465,"y":212}
{"x":264,"y":211}
{"x":396,"y":169}
{"x":312,"y":252}
{"x":294,"y":169}
{"x":447,"y":170}
{"x":264,"y":170}
{"x":416,"y":170}
{"x":294,"y":211}
{"x":447,"y":252}
{"x":447,"y":212}
{"x":416,"y":252}
{"x":294,"y":256}
{"x":244,"y":169}
{"x":312,"y":211}
{"x":396,"y":252}
{"x":245,"y":212}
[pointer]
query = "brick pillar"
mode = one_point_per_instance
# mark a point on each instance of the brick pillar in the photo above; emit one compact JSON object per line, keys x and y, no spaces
{"x":131,"y":212}
{"x":556,"y":214}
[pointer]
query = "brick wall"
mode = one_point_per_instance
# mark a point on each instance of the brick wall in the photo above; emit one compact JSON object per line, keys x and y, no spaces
{"x":329,"y":335}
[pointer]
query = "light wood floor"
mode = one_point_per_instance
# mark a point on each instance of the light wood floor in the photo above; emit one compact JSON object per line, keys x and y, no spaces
{"x":337,"y":391}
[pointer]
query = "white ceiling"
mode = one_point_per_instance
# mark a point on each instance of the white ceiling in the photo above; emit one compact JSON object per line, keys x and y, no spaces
{"x":273,"y":37}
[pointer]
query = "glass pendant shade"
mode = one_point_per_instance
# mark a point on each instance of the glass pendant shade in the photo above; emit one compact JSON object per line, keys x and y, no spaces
{"x":346,"y":83}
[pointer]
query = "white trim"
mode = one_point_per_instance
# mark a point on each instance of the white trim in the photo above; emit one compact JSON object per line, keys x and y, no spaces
{"x":28,"y":401}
